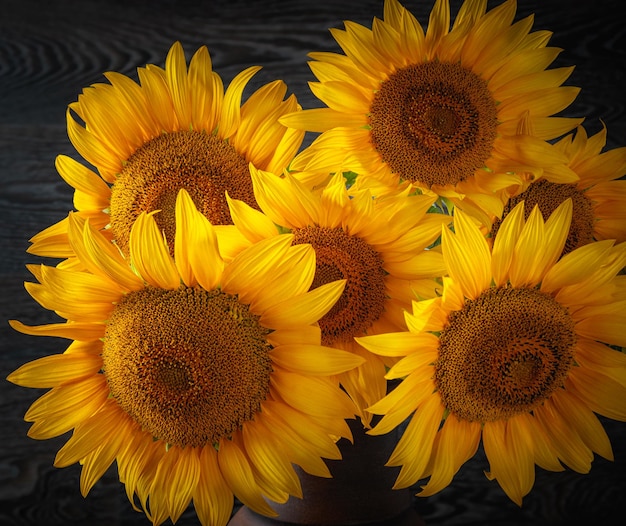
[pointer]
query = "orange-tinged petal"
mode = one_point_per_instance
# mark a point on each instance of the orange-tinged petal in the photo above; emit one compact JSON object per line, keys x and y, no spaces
{"x":508,"y":448}
{"x":456,"y":442}
{"x":212,"y":498}
{"x":175,"y":480}
{"x":53,"y":370}
{"x":83,"y":179}
{"x":414,"y":448}
{"x":584,"y":422}
{"x":309,"y":432}
{"x":89,"y":434}
{"x":401,"y":402}
{"x":71,"y":330}
{"x":64,"y":407}
{"x":607,"y":327}
{"x":267,"y":455}
{"x":568,"y":445}
{"x":237,"y":472}
{"x":576,"y":266}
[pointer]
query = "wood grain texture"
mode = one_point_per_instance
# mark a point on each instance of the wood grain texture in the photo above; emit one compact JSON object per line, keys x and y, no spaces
{"x":50,"y":51}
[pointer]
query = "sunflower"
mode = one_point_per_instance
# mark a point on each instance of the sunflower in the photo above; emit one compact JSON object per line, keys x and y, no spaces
{"x":379,"y":246}
{"x":516,"y":352}
{"x":463,"y":112}
{"x":177,"y":128}
{"x":598,"y":198}
{"x":203,"y":379}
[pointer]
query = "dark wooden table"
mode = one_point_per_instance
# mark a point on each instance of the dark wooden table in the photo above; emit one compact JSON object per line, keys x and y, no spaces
{"x":50,"y":51}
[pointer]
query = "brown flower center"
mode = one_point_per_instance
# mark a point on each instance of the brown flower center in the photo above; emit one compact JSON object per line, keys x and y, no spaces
{"x":201,"y":163}
{"x":434,"y":123}
{"x":504,"y":353}
{"x":548,"y":196}
{"x":342,"y":256}
{"x":189,"y":366}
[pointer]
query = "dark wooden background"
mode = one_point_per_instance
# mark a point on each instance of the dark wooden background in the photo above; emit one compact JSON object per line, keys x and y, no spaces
{"x":50,"y":51}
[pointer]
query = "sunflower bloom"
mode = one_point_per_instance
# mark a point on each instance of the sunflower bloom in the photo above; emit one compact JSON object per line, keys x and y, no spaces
{"x":463,"y":112}
{"x":178,"y":128}
{"x":516,"y":352}
{"x":598,"y":197}
{"x":379,"y":246}
{"x":202,"y":379}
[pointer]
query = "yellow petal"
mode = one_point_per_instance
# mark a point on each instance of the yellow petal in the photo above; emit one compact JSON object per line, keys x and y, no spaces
{"x":98,"y":461}
{"x":284,"y":200}
{"x":149,"y":254}
{"x":231,"y":104}
{"x":409,"y":393}
{"x":176,"y":71}
{"x":401,"y":402}
{"x":467,"y":255}
{"x":92,"y":149}
{"x":312,"y":395}
{"x":525,"y":265}
{"x":196,"y":248}
{"x":99,"y":255}
{"x":304,"y":309}
{"x":302,"y":452}
{"x":322,"y":119}
{"x":253,"y":224}
{"x":206,"y":95}
{"x":505,"y":242}
{"x":314,"y":359}
{"x":397,"y":343}
{"x":243,"y":274}
{"x":412,"y":362}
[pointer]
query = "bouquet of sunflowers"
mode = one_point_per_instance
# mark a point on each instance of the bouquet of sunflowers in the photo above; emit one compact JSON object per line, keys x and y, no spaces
{"x":232,"y":299}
